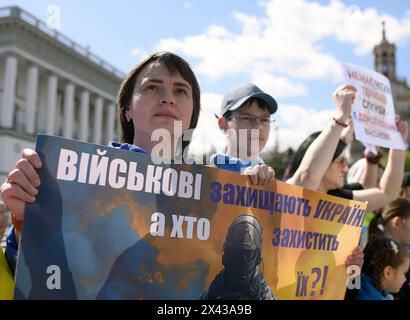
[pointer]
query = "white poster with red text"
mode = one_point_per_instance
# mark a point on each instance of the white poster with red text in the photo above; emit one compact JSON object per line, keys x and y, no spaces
{"x":373,"y":109}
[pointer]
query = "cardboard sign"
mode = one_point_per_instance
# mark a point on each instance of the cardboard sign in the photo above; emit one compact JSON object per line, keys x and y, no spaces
{"x":110,"y":224}
{"x":373,"y":109}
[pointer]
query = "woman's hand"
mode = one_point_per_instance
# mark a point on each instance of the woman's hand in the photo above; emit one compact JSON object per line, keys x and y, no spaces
{"x":260,"y":174}
{"x":343,"y":98}
{"x":403,"y":128}
{"x":22,"y":183}
{"x":356,"y":258}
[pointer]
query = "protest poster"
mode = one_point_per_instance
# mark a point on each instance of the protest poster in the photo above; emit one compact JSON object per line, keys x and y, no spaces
{"x":373,"y":111}
{"x":6,"y":279}
{"x":110,"y":224}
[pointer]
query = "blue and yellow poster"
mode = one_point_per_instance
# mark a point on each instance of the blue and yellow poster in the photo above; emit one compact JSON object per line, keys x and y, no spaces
{"x":110,"y":224}
{"x":6,"y":279}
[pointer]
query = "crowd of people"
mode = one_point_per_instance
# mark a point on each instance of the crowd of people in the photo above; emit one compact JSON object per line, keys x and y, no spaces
{"x":163,"y":88}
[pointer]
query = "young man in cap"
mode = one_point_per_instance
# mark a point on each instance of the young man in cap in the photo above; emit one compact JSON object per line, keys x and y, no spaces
{"x":245,"y":119}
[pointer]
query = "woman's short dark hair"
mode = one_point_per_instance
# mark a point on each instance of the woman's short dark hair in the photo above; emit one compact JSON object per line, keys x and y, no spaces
{"x":300,"y":153}
{"x":174,"y":64}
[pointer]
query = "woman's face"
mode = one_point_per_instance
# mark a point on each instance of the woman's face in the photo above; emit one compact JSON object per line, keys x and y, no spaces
{"x":159,"y":99}
{"x":335,"y":174}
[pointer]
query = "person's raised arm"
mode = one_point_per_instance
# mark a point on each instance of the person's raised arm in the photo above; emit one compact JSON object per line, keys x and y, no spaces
{"x":347,"y":132}
{"x":320,"y":153}
{"x":370,"y":174}
{"x":368,"y":179}
{"x":390,"y":182}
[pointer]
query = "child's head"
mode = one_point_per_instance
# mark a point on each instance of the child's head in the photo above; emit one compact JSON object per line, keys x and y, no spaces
{"x":393,"y":222}
{"x":386,"y":263}
{"x":244,"y":108}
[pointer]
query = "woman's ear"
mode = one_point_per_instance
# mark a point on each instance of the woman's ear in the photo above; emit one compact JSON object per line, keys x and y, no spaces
{"x":223,"y":124}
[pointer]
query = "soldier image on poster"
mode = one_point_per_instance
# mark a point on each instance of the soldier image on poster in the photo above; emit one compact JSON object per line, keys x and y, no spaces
{"x":241,"y":278}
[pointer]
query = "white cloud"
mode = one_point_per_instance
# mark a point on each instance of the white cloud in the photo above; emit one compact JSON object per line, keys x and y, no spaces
{"x":187,"y":5}
{"x":207,"y":133}
{"x":295,"y":123}
{"x":139,"y":53}
{"x":308,"y":119}
{"x":288,"y":39}
{"x":278,"y":87}
{"x":279,"y":51}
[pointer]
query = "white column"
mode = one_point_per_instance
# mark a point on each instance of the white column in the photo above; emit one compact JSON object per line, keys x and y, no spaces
{"x":31,"y":98}
{"x":10,"y":76}
{"x":110,"y":122}
{"x":84,"y":111}
{"x":98,"y":119}
{"x":68,"y":110}
{"x":51,"y":103}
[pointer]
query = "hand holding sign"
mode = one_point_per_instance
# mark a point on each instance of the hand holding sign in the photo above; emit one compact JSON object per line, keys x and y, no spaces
{"x":402,"y":127}
{"x":260,"y":174}
{"x":356,"y":258}
{"x":343,"y":98}
{"x":22,"y":183}
{"x":373,"y":110}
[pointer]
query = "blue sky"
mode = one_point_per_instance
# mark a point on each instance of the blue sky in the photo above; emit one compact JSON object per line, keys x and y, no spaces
{"x":290,"y":48}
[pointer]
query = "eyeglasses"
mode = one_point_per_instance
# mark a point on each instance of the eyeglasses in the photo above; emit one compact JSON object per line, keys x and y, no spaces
{"x":251,"y":121}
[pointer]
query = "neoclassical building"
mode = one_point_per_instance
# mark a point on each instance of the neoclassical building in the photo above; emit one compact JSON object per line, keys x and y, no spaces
{"x":50,"y":84}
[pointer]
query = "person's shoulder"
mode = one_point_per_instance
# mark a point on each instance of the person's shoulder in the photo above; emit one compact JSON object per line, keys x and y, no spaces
{"x":126,"y":146}
{"x":223,"y":161}
{"x":218,"y":158}
{"x":115,"y":144}
{"x":341,"y":193}
{"x":353,"y":186}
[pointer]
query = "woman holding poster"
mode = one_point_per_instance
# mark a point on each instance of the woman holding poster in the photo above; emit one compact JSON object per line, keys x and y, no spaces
{"x":319,"y":163}
{"x":161,"y":92}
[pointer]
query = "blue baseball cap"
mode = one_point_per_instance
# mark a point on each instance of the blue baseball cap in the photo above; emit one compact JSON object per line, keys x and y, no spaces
{"x":238,"y":95}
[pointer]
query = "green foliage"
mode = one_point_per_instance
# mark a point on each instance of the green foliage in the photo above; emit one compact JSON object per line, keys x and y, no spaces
{"x":383,"y":161}
{"x":407,"y":162}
